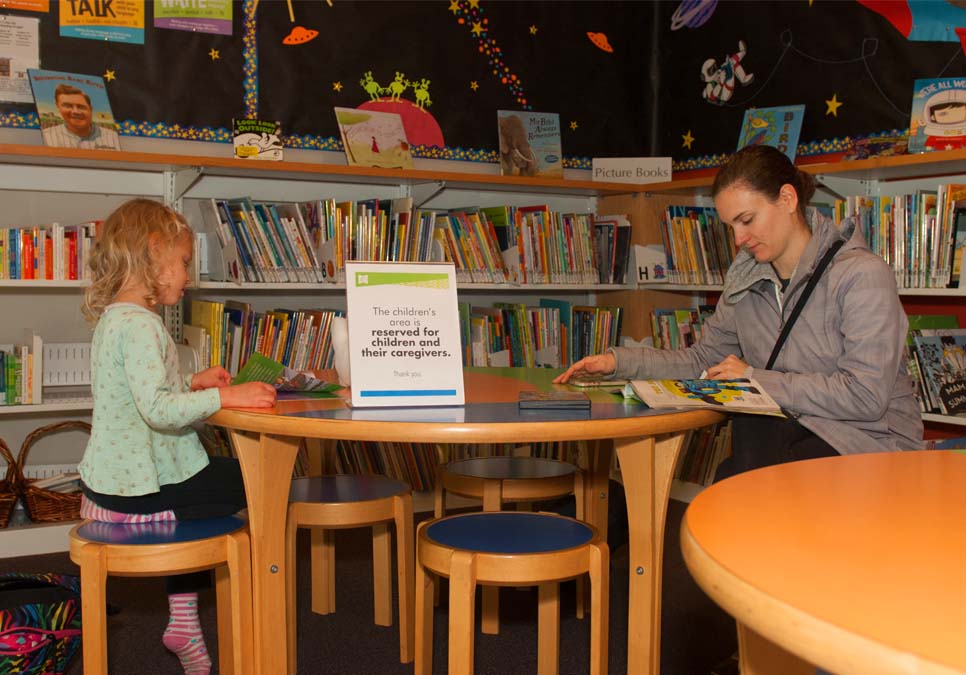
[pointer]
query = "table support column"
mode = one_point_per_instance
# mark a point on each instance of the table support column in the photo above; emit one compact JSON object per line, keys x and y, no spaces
{"x":647,"y":465}
{"x":266,"y":463}
{"x":597,"y":485}
{"x":758,"y":655}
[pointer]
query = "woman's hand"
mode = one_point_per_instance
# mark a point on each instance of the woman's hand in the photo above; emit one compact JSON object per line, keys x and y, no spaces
{"x":597,"y":365}
{"x":248,"y":395}
{"x":732,"y":368}
{"x":212,"y":377}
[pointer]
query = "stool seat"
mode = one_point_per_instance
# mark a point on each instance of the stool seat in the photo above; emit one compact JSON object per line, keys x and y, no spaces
{"x":167,"y":548}
{"x":507,"y":548}
{"x":344,"y":488}
{"x":328,"y":503}
{"x":511,"y":468}
{"x":509,"y":532}
{"x":157,"y":533}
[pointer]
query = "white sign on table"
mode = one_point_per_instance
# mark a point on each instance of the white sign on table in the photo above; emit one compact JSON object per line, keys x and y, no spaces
{"x":404,"y":334}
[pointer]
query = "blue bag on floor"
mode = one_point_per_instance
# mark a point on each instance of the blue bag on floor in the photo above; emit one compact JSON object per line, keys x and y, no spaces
{"x":40,"y":622}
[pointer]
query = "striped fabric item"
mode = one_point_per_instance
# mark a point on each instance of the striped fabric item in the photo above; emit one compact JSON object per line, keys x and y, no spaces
{"x":91,"y":511}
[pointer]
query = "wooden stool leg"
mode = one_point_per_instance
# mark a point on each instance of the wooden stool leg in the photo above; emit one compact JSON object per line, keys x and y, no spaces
{"x":323,"y":570}
{"x":599,"y":607}
{"x":240,"y":571}
{"x":490,"y":613}
{"x":224,"y":609}
{"x":439,"y":510}
{"x":93,"y":577}
{"x":381,"y":571}
{"x":425,"y":584}
{"x":405,"y":542}
{"x":291,"y":583}
{"x":462,"y":607}
{"x":579,"y":500}
{"x":548,"y":629}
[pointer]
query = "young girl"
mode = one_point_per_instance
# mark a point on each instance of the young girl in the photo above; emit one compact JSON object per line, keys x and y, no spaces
{"x":144,"y":462}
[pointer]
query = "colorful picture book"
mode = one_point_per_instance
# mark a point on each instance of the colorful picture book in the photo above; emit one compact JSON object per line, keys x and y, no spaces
{"x":373,"y":138}
{"x":257,"y":139}
{"x":74,"y":110}
{"x":739,"y":396}
{"x":938,"y":118}
{"x":260,"y":368}
{"x":778,"y":127}
{"x":530,"y":144}
{"x":941,"y":359}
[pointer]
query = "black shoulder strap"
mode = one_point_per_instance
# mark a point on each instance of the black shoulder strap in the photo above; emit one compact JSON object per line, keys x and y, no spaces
{"x":809,"y":287}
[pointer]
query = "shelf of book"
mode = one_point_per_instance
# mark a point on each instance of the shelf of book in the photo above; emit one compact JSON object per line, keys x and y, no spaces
{"x":717,"y":288}
{"x":43,"y":283}
{"x":78,"y":405}
{"x":245,"y":287}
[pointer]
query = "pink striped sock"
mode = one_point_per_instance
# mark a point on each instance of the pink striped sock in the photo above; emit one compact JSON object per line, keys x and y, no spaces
{"x":91,"y":511}
{"x":183,"y":635}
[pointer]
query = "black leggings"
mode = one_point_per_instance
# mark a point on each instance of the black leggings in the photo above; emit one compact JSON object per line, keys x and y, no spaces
{"x":215,"y":491}
{"x":758,"y":441}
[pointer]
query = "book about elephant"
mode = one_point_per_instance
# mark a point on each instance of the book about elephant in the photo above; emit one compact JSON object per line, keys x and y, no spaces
{"x":530,"y":144}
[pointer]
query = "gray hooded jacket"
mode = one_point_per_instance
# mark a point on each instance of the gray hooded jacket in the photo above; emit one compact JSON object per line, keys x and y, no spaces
{"x":842,"y":371}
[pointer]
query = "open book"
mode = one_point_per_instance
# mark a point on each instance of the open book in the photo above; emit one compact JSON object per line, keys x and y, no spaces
{"x":260,"y":368}
{"x":740,"y":396}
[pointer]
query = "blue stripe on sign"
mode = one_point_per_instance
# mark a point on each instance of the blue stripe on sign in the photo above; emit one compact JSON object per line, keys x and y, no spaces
{"x":371,"y":393}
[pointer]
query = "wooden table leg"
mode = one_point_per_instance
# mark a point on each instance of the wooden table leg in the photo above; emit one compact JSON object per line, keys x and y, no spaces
{"x":597,"y":484}
{"x":758,"y":655}
{"x":266,"y":464}
{"x":646,"y":468}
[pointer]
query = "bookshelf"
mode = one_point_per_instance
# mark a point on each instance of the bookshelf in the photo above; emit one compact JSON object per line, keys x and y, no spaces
{"x":880,"y":176}
{"x":40,"y":184}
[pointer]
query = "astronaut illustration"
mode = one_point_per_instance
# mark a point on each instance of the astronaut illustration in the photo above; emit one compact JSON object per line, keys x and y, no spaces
{"x":720,"y":80}
{"x":944,"y":120}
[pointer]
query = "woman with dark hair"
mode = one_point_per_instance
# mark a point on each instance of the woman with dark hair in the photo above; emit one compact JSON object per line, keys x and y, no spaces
{"x":840,"y":374}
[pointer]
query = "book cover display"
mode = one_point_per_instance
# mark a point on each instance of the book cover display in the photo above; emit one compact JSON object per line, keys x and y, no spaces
{"x":373,"y":138}
{"x":530,"y":144}
{"x":938,"y":120}
{"x":741,"y":395}
{"x":778,"y":127}
{"x":257,"y":139}
{"x":74,"y":110}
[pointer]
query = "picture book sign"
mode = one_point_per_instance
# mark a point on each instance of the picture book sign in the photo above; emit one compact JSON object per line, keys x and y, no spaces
{"x":778,"y":127}
{"x":404,"y":336}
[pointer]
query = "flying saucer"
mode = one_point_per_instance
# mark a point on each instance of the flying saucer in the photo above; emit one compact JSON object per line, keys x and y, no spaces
{"x":600,"y":41}
{"x":299,"y":36}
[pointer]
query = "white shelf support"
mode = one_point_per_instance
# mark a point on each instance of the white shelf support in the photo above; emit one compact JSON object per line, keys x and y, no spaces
{"x":424,"y":192}
{"x":177,"y":182}
{"x":840,"y":187}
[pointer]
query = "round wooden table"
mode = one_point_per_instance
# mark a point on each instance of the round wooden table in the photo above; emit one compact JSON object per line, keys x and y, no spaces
{"x":647,"y":443}
{"x":855,"y":563}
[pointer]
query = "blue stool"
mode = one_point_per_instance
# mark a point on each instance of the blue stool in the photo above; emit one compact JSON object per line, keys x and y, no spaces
{"x":162,"y":549}
{"x":509,"y":479}
{"x":508,"y":549}
{"x":327,"y":503}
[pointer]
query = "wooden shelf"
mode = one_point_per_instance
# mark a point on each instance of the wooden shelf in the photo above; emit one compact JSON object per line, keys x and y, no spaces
{"x":229,"y":167}
{"x":41,"y":284}
{"x":944,"y":419}
{"x":248,"y":287}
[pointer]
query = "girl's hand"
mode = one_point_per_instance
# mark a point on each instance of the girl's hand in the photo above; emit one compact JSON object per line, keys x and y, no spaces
{"x":212,"y":377}
{"x":732,"y":368}
{"x":248,"y":395}
{"x":599,"y":364}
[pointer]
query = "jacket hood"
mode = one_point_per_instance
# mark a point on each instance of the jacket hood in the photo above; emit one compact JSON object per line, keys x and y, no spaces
{"x":745,"y":271}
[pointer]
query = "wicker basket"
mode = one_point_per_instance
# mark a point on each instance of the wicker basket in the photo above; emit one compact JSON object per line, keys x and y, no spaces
{"x":47,"y":506}
{"x":8,"y":486}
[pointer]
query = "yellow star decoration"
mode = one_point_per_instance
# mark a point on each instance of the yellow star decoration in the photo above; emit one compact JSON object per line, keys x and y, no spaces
{"x":474,"y":85}
{"x":573,"y":125}
{"x":477,"y":28}
{"x":533,"y":30}
{"x":109,"y":75}
{"x":214,"y":54}
{"x":833,"y":105}
{"x":474,"y":4}
{"x":686,"y":140}
{"x":336,"y":86}
{"x":454,"y":6}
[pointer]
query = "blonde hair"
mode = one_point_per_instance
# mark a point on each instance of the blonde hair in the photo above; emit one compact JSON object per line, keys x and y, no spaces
{"x":125,"y":251}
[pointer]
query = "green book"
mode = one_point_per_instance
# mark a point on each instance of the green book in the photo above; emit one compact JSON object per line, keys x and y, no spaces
{"x":260,"y":368}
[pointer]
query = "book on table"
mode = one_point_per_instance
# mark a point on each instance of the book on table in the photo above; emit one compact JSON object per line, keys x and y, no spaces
{"x":260,"y":368}
{"x":738,"y":395}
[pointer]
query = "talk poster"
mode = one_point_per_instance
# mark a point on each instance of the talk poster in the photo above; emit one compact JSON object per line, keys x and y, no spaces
{"x":110,"y":20}
{"x":404,"y":335}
